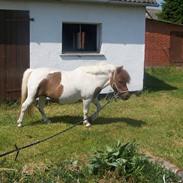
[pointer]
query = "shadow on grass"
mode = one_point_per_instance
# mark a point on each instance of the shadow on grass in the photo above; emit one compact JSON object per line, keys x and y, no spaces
{"x":99,"y":121}
{"x":153,"y":84}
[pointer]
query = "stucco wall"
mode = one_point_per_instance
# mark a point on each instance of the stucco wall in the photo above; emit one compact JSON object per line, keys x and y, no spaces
{"x":123,"y":31}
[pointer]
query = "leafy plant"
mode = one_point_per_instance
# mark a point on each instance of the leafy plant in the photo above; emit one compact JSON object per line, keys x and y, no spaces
{"x":121,"y":158}
{"x":125,"y":163}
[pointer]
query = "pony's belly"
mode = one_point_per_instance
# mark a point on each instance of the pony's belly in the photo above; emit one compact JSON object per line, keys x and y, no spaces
{"x":70,"y":98}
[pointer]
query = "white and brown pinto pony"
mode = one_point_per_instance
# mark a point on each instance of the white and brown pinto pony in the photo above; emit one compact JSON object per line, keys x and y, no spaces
{"x":84,"y":83}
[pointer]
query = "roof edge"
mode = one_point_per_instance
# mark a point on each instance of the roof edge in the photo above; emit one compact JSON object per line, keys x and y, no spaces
{"x":133,"y":3}
{"x":117,"y":2}
{"x":164,"y":21}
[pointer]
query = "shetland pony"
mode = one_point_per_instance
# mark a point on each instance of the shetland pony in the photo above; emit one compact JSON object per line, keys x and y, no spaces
{"x":83,"y":83}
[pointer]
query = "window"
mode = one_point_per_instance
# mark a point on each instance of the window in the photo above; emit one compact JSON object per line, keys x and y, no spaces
{"x":80,"y":38}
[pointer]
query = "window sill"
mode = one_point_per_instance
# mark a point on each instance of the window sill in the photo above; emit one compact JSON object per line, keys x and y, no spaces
{"x":82,"y":55}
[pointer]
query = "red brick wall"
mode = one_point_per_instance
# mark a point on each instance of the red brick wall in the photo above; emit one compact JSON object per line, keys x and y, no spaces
{"x":157,"y":42}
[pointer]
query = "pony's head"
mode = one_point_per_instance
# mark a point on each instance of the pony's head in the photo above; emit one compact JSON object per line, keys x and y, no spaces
{"x":119,"y":80}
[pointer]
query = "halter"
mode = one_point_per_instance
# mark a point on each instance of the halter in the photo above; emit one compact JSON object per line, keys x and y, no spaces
{"x":114,"y":85}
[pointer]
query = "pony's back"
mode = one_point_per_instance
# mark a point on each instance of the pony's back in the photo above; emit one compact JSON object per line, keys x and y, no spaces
{"x":99,"y":68}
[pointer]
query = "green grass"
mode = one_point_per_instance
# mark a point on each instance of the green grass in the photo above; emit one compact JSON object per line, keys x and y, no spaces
{"x":153,"y":120}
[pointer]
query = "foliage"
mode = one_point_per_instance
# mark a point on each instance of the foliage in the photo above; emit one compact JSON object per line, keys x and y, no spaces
{"x":121,"y":158}
{"x":172,"y":11}
{"x":128,"y":164}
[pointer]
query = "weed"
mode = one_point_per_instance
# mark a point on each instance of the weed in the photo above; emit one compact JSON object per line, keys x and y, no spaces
{"x":128,"y":164}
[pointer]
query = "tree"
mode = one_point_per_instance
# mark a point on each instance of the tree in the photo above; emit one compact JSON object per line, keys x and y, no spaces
{"x":172,"y":11}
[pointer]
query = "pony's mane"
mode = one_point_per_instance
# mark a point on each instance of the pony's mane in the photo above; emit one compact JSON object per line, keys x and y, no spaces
{"x":99,"y":68}
{"x":126,"y":76}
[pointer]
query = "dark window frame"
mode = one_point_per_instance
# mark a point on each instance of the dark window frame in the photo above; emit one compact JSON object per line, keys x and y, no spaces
{"x":81,"y":38}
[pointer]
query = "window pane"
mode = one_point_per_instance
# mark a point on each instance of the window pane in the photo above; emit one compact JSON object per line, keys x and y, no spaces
{"x":91,"y":36}
{"x":79,"y":38}
{"x":68,"y":36}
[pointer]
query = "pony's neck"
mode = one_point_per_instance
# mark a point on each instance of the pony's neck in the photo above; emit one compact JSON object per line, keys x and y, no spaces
{"x":108,"y":82}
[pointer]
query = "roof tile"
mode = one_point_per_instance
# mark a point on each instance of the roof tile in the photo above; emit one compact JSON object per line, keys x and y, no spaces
{"x":137,"y":1}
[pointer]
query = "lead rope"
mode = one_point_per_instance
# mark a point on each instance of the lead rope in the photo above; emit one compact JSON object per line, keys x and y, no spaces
{"x":18,"y":149}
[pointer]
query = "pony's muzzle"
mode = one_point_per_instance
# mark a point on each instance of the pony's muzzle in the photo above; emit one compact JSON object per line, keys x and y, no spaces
{"x":124,"y":95}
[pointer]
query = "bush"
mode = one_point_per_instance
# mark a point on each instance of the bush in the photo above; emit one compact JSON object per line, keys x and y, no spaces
{"x":128,"y":165}
{"x":122,"y":159}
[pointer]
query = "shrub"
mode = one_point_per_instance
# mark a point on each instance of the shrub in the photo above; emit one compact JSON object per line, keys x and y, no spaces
{"x":128,"y":165}
{"x":123,"y":159}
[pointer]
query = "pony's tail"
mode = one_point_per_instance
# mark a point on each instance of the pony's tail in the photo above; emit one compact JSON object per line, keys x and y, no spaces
{"x":24,"y":89}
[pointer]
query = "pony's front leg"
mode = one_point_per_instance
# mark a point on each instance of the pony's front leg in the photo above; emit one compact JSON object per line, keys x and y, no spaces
{"x":86,"y":105}
{"x":98,"y":107}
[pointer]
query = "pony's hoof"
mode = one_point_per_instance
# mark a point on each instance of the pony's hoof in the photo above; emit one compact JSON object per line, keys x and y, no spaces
{"x":19,"y":125}
{"x":85,"y":122}
{"x":88,"y":124}
{"x":46,"y":120}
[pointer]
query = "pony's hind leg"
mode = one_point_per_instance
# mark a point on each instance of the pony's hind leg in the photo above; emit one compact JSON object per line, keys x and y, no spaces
{"x":40,"y":105}
{"x":26,"y":104}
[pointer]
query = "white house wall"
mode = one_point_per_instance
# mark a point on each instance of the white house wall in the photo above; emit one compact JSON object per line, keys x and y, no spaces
{"x":123,"y":30}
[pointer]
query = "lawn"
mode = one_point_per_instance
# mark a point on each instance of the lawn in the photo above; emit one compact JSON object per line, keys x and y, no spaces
{"x":152,"y":119}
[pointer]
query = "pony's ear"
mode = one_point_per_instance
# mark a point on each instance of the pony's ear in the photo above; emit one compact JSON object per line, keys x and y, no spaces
{"x":118,"y":69}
